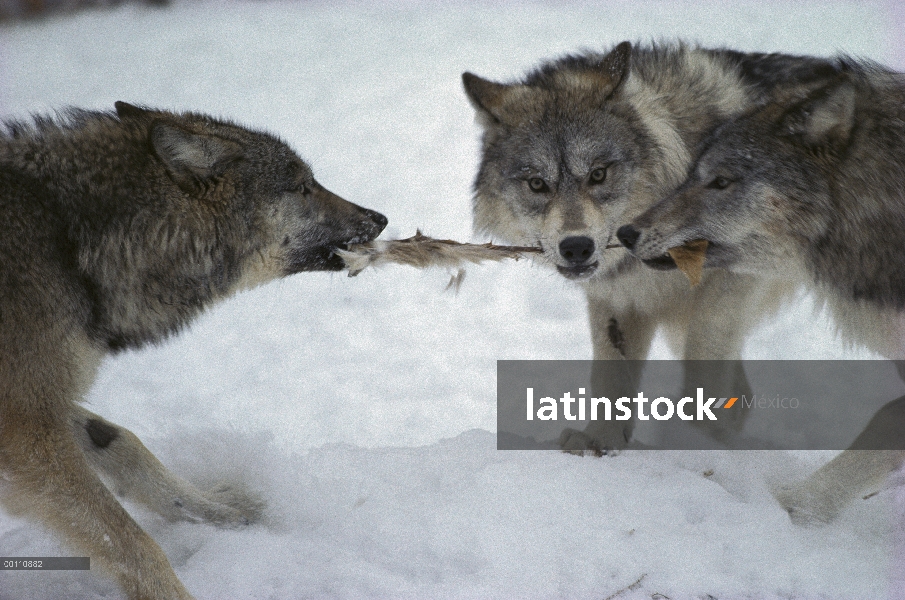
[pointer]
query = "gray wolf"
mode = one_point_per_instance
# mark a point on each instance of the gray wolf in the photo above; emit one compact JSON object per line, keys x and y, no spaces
{"x":809,"y":187}
{"x":586,"y":143}
{"x":118,"y":229}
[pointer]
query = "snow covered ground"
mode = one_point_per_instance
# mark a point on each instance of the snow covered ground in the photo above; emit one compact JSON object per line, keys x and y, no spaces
{"x":363,"y":409}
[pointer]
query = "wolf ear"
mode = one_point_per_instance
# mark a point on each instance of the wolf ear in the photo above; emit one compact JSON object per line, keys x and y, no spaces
{"x":826,"y":119}
{"x":192,"y":159}
{"x":615,"y":65}
{"x":124,"y":110}
{"x":491,"y":99}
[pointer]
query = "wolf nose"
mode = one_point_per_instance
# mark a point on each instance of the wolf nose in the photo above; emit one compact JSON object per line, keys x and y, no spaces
{"x":576,"y":249}
{"x":378,"y":219}
{"x":628,"y":235}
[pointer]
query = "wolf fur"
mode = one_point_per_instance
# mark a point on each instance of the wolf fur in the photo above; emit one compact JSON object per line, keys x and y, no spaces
{"x":116,"y":230}
{"x":586,"y":143}
{"x":810,"y":187}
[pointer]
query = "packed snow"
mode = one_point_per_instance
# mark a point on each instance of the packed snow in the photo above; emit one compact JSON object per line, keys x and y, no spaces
{"x":363,"y":409}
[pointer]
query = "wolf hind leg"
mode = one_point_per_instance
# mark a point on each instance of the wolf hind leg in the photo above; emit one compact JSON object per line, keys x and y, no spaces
{"x":50,"y":480}
{"x":820,"y":497}
{"x":135,"y":473}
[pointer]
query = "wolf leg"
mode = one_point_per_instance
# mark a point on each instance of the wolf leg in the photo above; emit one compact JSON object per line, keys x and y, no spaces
{"x":49,"y":479}
{"x":134,"y":473}
{"x":820,"y":497}
{"x":724,"y":309}
{"x":616,"y":335}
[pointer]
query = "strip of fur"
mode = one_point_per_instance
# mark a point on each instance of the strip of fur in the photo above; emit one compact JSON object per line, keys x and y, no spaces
{"x":422,"y":251}
{"x":689,"y":259}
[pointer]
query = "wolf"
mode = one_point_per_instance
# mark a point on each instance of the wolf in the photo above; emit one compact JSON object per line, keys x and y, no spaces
{"x":116,"y":230}
{"x":587,"y":142}
{"x":810,"y":188}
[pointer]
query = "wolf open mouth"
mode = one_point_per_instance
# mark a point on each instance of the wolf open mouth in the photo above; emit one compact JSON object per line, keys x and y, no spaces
{"x":320,"y":258}
{"x":666,"y":262}
{"x":661,"y":263}
{"x":333,"y":262}
{"x":578,"y":271}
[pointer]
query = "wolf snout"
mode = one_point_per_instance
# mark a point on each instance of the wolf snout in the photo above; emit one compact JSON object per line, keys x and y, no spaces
{"x":368,"y":227}
{"x":375,"y":223}
{"x":576,"y":249}
{"x":628,"y":236}
{"x":350,"y":223}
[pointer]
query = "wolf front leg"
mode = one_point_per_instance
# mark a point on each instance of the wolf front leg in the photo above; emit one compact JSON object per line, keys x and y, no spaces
{"x":50,"y":480}
{"x":724,"y":309}
{"x":615,"y":335}
{"x":135,"y":473}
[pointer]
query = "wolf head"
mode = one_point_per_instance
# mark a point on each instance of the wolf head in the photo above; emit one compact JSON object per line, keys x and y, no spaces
{"x":760,"y":192}
{"x":292,"y":220}
{"x":165,"y":213}
{"x":559,"y":159}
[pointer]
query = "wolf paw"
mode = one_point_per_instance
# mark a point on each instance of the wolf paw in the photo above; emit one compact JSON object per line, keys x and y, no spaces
{"x":243,"y":507}
{"x":225,"y":505}
{"x":806,"y":507}
{"x":580,"y":443}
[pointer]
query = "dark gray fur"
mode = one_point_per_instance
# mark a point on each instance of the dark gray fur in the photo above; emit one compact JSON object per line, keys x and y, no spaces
{"x":811,"y":188}
{"x":138,"y":240}
{"x":828,"y":167}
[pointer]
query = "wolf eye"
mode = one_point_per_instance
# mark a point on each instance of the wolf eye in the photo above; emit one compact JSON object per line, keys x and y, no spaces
{"x":719,"y":183}
{"x":598,"y":175}
{"x":537,"y":185}
{"x":298,"y":188}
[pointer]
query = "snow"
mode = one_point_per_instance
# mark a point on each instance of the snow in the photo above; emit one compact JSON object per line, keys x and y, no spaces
{"x":363,"y":409}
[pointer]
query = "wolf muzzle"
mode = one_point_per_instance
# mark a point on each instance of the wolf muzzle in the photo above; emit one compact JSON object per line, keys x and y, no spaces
{"x":628,"y":237}
{"x":577,"y":250}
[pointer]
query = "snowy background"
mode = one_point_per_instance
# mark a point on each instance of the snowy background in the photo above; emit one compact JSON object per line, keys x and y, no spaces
{"x":363,"y":409}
